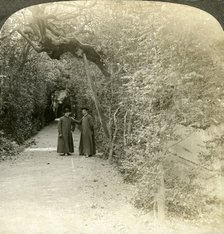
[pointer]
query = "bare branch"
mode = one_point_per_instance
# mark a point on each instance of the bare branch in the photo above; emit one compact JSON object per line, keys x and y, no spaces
{"x":7,"y":35}
{"x":54,"y":31}
{"x":32,"y":29}
{"x":196,"y":164}
{"x":35,"y":47}
{"x":124,"y":133}
{"x":78,"y":12}
{"x":114,"y":134}
{"x":65,"y":17}
{"x":25,"y":55}
{"x":97,"y":105}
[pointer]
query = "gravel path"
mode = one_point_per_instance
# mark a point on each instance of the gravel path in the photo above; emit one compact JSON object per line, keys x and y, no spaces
{"x":42,"y":192}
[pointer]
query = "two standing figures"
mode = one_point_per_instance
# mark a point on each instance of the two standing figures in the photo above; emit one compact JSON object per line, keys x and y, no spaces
{"x":87,"y":138}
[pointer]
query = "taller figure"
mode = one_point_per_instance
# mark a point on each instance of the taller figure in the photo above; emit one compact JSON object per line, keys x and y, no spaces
{"x":87,"y":139}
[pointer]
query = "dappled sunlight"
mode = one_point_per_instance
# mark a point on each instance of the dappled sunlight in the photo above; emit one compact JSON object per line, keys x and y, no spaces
{"x":48,"y":149}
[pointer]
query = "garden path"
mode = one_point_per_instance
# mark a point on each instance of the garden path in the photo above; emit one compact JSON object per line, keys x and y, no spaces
{"x":42,"y":192}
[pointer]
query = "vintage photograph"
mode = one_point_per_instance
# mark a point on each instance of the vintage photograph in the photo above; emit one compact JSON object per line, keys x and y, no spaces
{"x":111,"y":118}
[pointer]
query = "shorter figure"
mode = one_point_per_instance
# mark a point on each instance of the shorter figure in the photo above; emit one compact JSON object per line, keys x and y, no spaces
{"x":65,"y":139}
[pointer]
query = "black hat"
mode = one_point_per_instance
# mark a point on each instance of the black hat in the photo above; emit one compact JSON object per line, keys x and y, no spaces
{"x":66,"y":109}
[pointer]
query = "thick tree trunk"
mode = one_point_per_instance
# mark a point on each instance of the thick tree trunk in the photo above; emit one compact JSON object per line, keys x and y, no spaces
{"x":97,"y":105}
{"x":55,"y":48}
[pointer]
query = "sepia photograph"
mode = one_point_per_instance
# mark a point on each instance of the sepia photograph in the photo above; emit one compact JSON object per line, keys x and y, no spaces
{"x":111,"y":117}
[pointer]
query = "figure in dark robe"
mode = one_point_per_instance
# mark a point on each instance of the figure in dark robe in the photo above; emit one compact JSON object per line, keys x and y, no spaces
{"x":87,"y":139}
{"x":65,"y":139}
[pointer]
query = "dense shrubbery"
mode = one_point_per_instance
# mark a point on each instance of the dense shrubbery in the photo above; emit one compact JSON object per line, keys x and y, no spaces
{"x":26,"y":87}
{"x":160,"y":80}
{"x":8,"y":147}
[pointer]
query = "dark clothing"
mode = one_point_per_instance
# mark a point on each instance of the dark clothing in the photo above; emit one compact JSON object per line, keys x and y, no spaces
{"x":65,"y":142}
{"x":87,"y":138}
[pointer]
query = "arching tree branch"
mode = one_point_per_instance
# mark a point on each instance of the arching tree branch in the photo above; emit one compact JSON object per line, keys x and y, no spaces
{"x":35,"y":47}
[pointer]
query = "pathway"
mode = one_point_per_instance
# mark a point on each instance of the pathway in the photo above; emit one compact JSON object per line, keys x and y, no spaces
{"x":42,"y":192}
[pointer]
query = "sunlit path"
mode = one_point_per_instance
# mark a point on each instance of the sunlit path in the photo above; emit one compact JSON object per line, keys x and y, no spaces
{"x":42,"y":192}
{"x":40,"y":149}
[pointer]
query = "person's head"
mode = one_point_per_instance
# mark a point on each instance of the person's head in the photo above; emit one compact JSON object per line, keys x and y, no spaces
{"x":67,"y":111}
{"x":84,"y":111}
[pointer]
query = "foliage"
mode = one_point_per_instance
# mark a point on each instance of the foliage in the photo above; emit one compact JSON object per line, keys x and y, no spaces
{"x":26,"y":87}
{"x":8,"y":148}
{"x":161,"y":80}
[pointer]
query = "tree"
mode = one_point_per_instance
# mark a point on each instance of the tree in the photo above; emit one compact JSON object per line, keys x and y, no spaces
{"x":44,"y":33}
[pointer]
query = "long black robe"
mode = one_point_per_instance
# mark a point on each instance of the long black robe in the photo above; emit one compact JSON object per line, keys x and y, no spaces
{"x":65,"y":142}
{"x":87,"y":138}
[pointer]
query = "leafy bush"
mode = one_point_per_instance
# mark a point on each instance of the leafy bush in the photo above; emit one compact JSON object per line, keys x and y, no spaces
{"x":8,"y":148}
{"x":160,"y":80}
{"x":26,"y":88}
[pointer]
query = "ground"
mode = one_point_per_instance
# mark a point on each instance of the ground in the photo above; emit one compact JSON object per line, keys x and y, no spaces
{"x":42,"y":192}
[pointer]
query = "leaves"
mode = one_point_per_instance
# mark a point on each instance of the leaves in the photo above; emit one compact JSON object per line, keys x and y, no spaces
{"x":25,"y":91}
